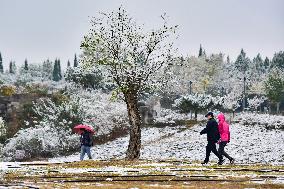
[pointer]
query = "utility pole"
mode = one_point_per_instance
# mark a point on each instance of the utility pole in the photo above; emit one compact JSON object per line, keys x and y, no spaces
{"x":244,"y":95}
{"x":190,"y":91}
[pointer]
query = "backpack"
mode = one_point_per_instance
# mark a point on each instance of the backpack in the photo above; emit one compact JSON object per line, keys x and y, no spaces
{"x":86,"y":139}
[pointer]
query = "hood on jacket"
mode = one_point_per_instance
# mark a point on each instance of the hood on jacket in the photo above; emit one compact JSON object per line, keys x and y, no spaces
{"x":221,"y":117}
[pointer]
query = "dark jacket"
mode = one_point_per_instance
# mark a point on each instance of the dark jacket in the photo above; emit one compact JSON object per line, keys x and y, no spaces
{"x":86,"y":139}
{"x":211,"y":130}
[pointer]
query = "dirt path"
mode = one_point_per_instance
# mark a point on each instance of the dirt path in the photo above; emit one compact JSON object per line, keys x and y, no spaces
{"x":140,"y":174}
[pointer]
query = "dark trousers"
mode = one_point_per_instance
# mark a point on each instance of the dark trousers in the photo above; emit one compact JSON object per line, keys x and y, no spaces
{"x":222,"y":152}
{"x":211,"y":147}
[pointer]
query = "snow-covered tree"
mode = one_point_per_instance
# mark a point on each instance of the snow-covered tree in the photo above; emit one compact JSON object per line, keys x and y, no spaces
{"x":57,"y":71}
{"x":12,"y":67}
{"x":255,"y":102}
{"x":274,"y":87}
{"x":75,"y":61}
{"x":1,"y":64}
{"x":3,"y":130}
{"x":132,"y":57}
{"x":197,"y":103}
{"x":242,"y":63}
{"x":26,"y":66}
{"x":278,"y":60}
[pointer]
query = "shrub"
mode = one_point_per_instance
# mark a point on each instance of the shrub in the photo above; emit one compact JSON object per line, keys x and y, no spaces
{"x":3,"y":130}
{"x":7,"y":90}
{"x":42,"y":141}
{"x":36,"y":89}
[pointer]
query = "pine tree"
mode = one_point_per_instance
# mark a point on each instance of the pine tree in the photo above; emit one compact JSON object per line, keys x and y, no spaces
{"x":55,"y":76}
{"x":26,"y":67}
{"x":75,"y":61}
{"x":47,"y":70}
{"x":12,"y":67}
{"x":266,"y":63}
{"x":242,"y":62}
{"x":258,"y":63}
{"x":278,"y":60}
{"x":200,"y":51}
{"x":1,"y":64}
{"x":228,"y":60}
{"x":68,"y":64}
{"x":59,"y":69}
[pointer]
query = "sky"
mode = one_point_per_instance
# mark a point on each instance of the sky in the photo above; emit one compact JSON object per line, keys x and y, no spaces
{"x":41,"y":29}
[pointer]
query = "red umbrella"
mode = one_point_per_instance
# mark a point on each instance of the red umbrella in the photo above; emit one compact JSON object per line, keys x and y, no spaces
{"x":77,"y":128}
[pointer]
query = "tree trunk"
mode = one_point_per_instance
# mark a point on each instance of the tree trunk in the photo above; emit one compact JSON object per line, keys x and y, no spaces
{"x":133,"y":151}
{"x":195,"y":115}
{"x":277,"y":107}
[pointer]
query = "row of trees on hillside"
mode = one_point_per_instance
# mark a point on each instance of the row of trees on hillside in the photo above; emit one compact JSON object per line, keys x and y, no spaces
{"x":48,"y":70}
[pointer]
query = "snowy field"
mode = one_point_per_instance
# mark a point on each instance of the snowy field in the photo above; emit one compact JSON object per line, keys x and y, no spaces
{"x":249,"y":144}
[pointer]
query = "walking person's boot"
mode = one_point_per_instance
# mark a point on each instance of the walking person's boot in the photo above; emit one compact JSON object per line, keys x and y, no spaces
{"x":232,"y":161}
{"x":221,"y":161}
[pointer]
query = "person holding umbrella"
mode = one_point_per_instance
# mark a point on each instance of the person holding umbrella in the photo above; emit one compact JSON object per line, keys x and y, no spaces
{"x":86,"y":140}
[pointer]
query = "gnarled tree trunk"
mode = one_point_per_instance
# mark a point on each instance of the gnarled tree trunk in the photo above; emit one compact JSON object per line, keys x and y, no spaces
{"x":133,"y":151}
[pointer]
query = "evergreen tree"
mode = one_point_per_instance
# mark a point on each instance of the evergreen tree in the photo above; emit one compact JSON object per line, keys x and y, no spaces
{"x":26,"y":67}
{"x":1,"y":64}
{"x":200,"y":51}
{"x":266,"y":63}
{"x":228,"y":60}
{"x":12,"y":67}
{"x":274,"y":88}
{"x":59,"y":69}
{"x":75,"y":61}
{"x":278,"y":60}
{"x":68,"y":64}
{"x":47,"y":70}
{"x":242,"y":62}
{"x":55,"y":74}
{"x":258,"y":63}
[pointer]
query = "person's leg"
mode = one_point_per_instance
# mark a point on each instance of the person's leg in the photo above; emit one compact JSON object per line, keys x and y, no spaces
{"x":224,"y":153}
{"x":208,"y":151}
{"x":221,"y":149}
{"x":82,"y":152}
{"x":214,"y":150}
{"x":88,"y":150}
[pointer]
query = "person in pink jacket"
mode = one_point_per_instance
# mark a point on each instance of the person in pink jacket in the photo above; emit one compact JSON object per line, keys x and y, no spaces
{"x":224,"y":131}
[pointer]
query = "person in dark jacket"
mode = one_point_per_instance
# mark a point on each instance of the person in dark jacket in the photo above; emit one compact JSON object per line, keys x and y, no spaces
{"x":213,"y":136}
{"x":86,"y":143}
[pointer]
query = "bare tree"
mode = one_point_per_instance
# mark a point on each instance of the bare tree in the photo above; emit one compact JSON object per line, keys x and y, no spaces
{"x":132,"y":57}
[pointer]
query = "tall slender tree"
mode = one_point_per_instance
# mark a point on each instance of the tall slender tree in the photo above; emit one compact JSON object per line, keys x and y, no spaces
{"x":68,"y":64}
{"x":266,"y":63}
{"x":59,"y":69}
{"x":26,"y":67}
{"x":75,"y":61}
{"x":56,"y":71}
{"x":242,"y":62}
{"x":1,"y":64}
{"x":12,"y":67}
{"x":200,"y":51}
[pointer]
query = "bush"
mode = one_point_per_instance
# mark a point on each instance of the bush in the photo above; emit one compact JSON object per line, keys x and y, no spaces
{"x":39,"y":142}
{"x":7,"y":90}
{"x":52,"y":134}
{"x":3,"y":130}
{"x":265,"y":120}
{"x":36,"y":89}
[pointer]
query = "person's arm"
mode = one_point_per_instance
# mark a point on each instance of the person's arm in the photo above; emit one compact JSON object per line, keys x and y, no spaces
{"x":205,"y":130}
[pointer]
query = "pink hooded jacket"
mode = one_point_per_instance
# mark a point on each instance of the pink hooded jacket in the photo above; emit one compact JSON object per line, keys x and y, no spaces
{"x":224,"y":129}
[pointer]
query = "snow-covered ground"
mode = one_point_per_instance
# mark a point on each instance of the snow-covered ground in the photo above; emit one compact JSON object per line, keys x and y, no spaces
{"x":249,"y":144}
